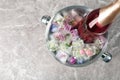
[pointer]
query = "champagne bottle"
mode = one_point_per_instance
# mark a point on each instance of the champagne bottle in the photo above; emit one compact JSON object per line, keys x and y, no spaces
{"x":99,"y":20}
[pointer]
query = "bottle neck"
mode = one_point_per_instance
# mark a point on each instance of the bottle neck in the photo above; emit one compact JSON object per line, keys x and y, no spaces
{"x":108,"y":13}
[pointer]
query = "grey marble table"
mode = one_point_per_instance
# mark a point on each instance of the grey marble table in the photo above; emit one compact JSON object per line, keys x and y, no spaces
{"x":23,"y":52}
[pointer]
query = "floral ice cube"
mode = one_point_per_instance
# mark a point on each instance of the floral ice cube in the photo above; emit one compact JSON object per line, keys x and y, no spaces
{"x":100,"y":41}
{"x":89,"y":52}
{"x":67,"y":27}
{"x":80,"y":60}
{"x":52,"y":45}
{"x":72,"y":60}
{"x":59,"y":36}
{"x":65,"y":46}
{"x":83,"y":54}
{"x":64,"y":31}
{"x":54,"y":28}
{"x":82,"y":51}
{"x":58,"y":18}
{"x":74,"y":34}
{"x":95,"y":49}
{"x":79,"y":43}
{"x":76,"y":53}
{"x":62,"y":56}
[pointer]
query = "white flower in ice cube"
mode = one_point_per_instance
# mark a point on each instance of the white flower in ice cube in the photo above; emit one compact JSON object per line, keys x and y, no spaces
{"x":53,"y":45}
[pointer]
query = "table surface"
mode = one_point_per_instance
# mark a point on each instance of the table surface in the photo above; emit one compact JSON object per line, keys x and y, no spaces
{"x":23,"y":51}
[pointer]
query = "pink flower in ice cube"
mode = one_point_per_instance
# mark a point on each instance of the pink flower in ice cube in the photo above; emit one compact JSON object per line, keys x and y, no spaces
{"x":89,"y":52}
{"x":59,"y":36}
{"x":82,"y":51}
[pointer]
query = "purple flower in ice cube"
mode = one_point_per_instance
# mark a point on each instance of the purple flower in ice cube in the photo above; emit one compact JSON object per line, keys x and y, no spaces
{"x":67,"y":27}
{"x":72,"y":60}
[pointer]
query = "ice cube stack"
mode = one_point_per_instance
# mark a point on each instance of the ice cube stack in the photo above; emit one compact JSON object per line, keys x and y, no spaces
{"x":67,"y":46}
